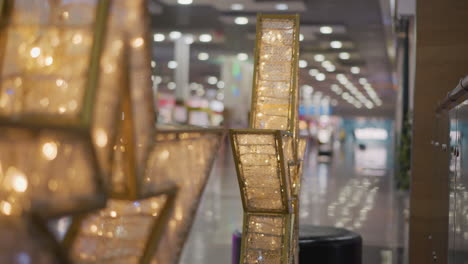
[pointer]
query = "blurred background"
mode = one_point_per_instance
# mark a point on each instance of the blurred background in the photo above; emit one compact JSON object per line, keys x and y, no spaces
{"x":356,"y":61}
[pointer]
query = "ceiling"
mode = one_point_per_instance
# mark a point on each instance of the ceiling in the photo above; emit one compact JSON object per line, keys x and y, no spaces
{"x":356,"y":24}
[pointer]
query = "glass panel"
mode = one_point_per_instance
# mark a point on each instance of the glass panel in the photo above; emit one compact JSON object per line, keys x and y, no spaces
{"x":29,"y":162}
{"x":266,"y":238}
{"x":119,"y":233}
{"x":41,"y":39}
{"x":276,"y":50}
{"x":184,"y":158}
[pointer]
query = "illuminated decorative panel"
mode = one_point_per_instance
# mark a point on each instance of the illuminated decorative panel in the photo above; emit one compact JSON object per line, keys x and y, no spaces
{"x":275,"y":74}
{"x":25,"y":241}
{"x":266,"y":238}
{"x":260,"y":164}
{"x":184,"y":157}
{"x":135,"y":133}
{"x":124,"y":232}
{"x":56,"y":84}
{"x":29,"y":162}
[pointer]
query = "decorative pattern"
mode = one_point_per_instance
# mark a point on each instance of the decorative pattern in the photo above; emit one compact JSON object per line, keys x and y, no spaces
{"x":266,"y":155}
{"x":48,"y":105}
{"x":184,"y":157}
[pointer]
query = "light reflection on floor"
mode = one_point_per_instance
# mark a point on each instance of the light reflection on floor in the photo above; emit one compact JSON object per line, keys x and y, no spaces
{"x":334,"y":194}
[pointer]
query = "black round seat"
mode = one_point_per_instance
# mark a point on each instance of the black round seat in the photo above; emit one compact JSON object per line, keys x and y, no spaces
{"x":320,"y":244}
{"x":331,"y":245}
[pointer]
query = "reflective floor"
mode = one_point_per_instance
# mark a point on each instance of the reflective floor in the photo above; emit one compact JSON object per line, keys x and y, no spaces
{"x":352,"y":189}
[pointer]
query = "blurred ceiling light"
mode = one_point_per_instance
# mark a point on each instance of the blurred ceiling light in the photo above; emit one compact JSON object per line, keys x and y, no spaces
{"x":319,"y":57}
{"x":326,"y":64}
{"x":326,"y":30}
{"x":334,"y":102}
{"x":205,"y":38}
{"x":157,"y":79}
{"x":193,"y":86}
{"x":369,"y":105}
{"x":220,"y":96}
{"x":302,"y":63}
{"x":301,"y":37}
{"x":158,"y":37}
{"x":281,"y":6}
{"x":344,"y":55}
{"x":320,"y":77}
{"x":171,"y":86}
{"x":203,"y":56}
{"x":336,"y":44}
{"x":307,"y":89}
{"x":184,"y":2}
{"x":362,"y":81}
{"x":371,"y":133}
{"x":340,"y":76}
{"x":242,"y":56}
{"x":313,"y":72}
{"x":220,"y":84}
{"x":212,"y":80}
{"x":172,"y":64}
{"x":241,"y":20}
{"x":188,"y":39}
{"x":153,"y":64}
{"x":355,"y":70}
{"x":200,"y":91}
{"x":330,"y":68}
{"x":237,"y":7}
{"x":175,"y":35}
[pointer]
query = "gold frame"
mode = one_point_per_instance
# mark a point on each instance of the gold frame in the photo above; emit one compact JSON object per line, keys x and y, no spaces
{"x":81,"y":126}
{"x":84,"y":120}
{"x":286,"y":256}
{"x":290,"y":169}
{"x":292,"y":126}
{"x":154,"y":235}
{"x":191,"y":129}
{"x":284,"y":180}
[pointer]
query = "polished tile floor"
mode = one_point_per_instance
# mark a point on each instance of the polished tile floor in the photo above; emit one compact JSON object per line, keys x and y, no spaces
{"x":353,"y":189}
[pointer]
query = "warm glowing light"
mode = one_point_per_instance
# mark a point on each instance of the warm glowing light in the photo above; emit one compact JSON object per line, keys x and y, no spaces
{"x":5,"y":207}
{"x":35,"y":52}
{"x":137,"y":42}
{"x":301,"y":37}
{"x":241,"y":20}
{"x":113,"y":214}
{"x":17,"y":179}
{"x":77,"y":39}
{"x":49,"y":60}
{"x":100,"y":137}
{"x":49,"y":150}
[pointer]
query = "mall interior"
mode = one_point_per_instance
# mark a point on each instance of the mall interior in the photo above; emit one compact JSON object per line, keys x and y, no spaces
{"x":233,"y":131}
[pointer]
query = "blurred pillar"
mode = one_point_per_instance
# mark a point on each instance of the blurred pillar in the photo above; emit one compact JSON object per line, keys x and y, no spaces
{"x":181,"y":73}
{"x":441,"y":60}
{"x":237,"y":76}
